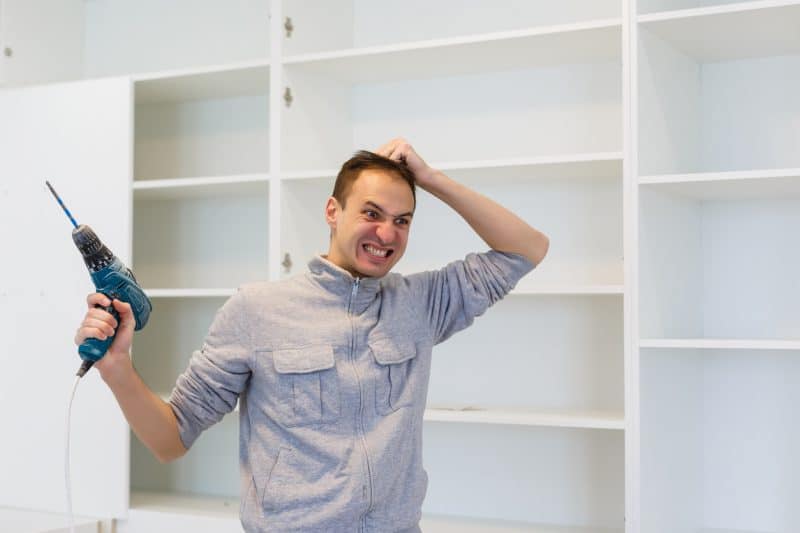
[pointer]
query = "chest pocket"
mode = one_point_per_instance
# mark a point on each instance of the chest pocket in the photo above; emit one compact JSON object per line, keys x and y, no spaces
{"x":308,"y":385}
{"x":396,"y":382}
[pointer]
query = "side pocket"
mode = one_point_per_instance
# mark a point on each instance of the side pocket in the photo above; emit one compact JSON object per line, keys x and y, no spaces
{"x":271,"y":500}
{"x":395,"y":385}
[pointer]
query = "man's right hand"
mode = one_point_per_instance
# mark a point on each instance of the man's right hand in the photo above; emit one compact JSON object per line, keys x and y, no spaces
{"x":100,"y":324}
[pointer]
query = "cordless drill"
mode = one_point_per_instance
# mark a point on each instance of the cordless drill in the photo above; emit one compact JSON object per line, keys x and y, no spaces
{"x":111,"y":278}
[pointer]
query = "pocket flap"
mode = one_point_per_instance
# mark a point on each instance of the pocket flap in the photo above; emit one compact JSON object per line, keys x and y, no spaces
{"x":391,"y":351}
{"x":303,"y":360}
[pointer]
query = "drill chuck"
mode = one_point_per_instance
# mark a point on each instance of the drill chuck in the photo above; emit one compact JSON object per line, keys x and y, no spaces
{"x":95,"y":254}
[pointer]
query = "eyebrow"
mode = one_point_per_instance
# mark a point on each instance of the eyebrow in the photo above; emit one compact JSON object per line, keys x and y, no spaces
{"x":379,"y":208}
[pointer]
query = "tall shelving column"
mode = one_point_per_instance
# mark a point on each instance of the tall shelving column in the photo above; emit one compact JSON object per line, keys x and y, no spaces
{"x":718,"y":192}
{"x":201,"y":228}
{"x":528,"y":109}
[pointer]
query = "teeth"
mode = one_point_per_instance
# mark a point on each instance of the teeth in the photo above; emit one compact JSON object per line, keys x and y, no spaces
{"x":375,"y":251}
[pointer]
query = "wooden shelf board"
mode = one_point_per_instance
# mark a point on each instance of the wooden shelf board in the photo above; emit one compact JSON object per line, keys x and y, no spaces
{"x":729,"y":32}
{"x":595,"y":41}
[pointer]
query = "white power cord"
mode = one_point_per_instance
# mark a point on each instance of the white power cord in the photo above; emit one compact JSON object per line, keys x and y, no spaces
{"x":66,"y":461}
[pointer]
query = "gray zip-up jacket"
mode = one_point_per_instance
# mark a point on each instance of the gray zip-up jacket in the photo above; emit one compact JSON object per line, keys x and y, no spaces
{"x":331,"y":373}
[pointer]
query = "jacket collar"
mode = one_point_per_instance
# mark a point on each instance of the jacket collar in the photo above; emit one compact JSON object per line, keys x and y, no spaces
{"x":358,"y":292}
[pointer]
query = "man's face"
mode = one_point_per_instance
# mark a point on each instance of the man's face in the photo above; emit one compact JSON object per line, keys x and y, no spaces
{"x":370,"y":233}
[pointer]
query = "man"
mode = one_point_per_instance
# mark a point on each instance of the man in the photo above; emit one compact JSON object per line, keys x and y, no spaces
{"x":331,"y":368}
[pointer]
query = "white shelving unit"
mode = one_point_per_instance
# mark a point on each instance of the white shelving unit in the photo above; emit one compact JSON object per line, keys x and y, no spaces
{"x":641,"y":380}
{"x":550,"y":80}
{"x":718,"y":196}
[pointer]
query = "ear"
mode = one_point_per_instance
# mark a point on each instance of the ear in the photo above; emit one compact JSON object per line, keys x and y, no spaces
{"x":332,"y":210}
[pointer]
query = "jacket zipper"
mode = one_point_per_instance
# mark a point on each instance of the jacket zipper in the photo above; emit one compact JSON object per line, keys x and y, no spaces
{"x":368,"y":487}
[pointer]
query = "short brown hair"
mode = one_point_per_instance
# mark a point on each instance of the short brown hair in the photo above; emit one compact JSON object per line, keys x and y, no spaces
{"x":364,"y":160}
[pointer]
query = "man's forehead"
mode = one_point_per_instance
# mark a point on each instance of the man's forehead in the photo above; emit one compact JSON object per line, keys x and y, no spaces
{"x":383,"y":189}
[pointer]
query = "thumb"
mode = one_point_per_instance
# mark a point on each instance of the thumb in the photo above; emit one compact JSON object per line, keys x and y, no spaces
{"x":126,"y":318}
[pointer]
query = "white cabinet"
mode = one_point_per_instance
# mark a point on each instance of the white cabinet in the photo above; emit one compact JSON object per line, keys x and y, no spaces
{"x":40,"y":41}
{"x":718,"y":195}
{"x":641,"y":379}
{"x":77,"y":136}
{"x":522,"y":101}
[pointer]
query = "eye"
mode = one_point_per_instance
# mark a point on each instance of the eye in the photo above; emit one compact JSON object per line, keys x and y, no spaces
{"x":371,"y":214}
{"x":402,"y":221}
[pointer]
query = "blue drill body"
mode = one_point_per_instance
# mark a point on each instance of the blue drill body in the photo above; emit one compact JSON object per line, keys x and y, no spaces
{"x":111,"y":278}
{"x":116,"y":281}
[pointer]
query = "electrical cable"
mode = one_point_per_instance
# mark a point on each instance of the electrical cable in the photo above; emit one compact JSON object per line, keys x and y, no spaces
{"x":66,"y":461}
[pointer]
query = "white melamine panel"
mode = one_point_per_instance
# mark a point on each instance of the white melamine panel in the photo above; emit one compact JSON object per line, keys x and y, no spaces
{"x":752,"y":184}
{"x":751,"y":113}
{"x":323,"y":25}
{"x":148,"y":35}
{"x":582,"y":216}
{"x":161,"y":353}
{"x":543,"y":352}
{"x":172,"y":512}
{"x":201,"y":187}
{"x":701,"y":116}
{"x":654,"y":6}
{"x":590,"y":42}
{"x":522,"y":113}
{"x":742,"y":30}
{"x":515,"y":416}
{"x":178,"y":327}
{"x":199,"y":138}
{"x":41,"y":41}
{"x":555,"y":476}
{"x":669,"y":97}
{"x":718,"y":268}
{"x":201,"y":242}
{"x":209,"y":468}
{"x":168,"y":511}
{"x":671,"y":441}
{"x":38,"y":522}
{"x":304,"y":232}
{"x":239,"y":79}
{"x":719,"y":440}
{"x":77,"y":136}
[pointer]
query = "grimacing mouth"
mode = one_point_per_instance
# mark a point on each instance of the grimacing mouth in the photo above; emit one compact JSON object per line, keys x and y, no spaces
{"x":377,"y":251}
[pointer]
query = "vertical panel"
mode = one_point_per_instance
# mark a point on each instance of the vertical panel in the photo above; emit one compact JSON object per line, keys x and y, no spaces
{"x":78,"y":136}
{"x":46,"y":40}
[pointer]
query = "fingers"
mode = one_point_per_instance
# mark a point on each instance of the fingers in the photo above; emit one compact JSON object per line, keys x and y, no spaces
{"x":97,"y":298}
{"x":100,"y":324}
{"x":94,"y":328}
{"x":394,"y":148}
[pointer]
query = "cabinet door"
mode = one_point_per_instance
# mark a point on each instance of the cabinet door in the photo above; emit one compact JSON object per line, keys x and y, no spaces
{"x":40,"y":41}
{"x":77,"y":136}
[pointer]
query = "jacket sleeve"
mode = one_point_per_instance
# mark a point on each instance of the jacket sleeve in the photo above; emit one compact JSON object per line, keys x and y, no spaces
{"x":453,"y":296}
{"x":217,"y":373}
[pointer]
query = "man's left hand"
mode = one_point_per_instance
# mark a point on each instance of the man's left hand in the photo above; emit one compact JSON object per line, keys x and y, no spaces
{"x":400,"y":150}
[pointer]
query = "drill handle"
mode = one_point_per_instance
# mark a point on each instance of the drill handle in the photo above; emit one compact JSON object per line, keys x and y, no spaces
{"x":91,"y":349}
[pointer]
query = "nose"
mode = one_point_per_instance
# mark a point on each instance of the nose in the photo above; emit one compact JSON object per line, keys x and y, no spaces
{"x":385,"y":232}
